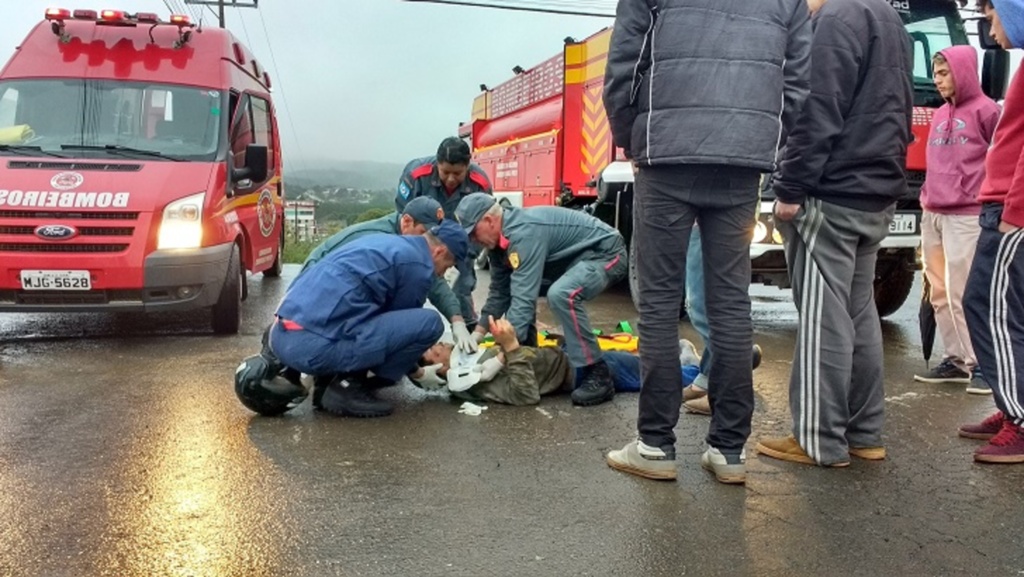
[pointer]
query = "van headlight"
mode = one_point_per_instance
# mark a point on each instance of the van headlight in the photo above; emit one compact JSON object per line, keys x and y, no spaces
{"x":760,"y":232}
{"x":182,"y":224}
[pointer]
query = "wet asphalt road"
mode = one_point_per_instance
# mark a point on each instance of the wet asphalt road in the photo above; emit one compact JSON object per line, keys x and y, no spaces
{"x":123,"y":451}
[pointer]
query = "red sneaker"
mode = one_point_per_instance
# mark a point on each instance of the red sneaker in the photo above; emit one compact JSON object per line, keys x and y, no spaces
{"x":1006,"y":447}
{"x":984,"y":430}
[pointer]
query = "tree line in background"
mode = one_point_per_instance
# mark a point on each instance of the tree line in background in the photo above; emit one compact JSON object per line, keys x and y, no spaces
{"x":337,"y":207}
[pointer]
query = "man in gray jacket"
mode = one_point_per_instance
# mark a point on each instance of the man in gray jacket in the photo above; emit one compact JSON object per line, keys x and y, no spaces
{"x":577,"y":253}
{"x":840,"y":176}
{"x":699,"y":94}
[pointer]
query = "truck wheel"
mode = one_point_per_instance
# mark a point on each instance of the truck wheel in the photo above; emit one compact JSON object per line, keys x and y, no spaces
{"x":275,"y":269}
{"x":893,"y":281}
{"x":634,"y":286}
{"x":226,"y":316}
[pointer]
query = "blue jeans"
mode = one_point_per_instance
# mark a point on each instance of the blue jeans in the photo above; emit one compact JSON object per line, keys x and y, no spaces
{"x":695,"y":303}
{"x":625,"y":370}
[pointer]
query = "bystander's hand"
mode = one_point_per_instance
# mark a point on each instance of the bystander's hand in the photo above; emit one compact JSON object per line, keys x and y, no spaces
{"x":786,"y":211}
{"x":1007,"y":228}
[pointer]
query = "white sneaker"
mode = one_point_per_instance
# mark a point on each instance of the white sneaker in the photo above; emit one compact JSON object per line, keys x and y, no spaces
{"x":645,"y":461}
{"x":730,"y":469}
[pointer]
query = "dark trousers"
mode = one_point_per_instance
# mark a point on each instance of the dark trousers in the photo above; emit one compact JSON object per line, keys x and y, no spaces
{"x":464,"y":285}
{"x":722,"y":200}
{"x":389,"y":344}
{"x":835,"y":388}
{"x":994,"y":306}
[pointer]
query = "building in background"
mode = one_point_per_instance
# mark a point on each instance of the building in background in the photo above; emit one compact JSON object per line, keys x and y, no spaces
{"x":300,"y":220}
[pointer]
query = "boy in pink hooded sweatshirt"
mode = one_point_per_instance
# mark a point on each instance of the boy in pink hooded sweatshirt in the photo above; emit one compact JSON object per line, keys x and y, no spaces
{"x":959,"y":139}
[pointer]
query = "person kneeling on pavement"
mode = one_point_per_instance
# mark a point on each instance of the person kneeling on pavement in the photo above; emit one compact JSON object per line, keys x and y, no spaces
{"x":416,"y":217}
{"x":360,"y":310}
{"x":515,"y":374}
{"x":578,"y":253}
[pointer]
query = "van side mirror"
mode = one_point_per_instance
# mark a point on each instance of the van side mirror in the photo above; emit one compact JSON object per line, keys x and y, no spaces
{"x":995,"y":73}
{"x":255,"y":168}
{"x":985,"y":39}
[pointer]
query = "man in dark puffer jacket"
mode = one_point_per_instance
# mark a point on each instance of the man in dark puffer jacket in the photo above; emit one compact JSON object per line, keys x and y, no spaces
{"x":839,"y":178}
{"x":699,"y":93}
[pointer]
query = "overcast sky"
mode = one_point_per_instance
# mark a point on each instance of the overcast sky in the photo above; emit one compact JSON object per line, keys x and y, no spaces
{"x":365,"y":79}
{"x":379,"y":80}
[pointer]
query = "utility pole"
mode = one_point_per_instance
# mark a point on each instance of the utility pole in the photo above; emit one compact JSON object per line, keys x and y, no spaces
{"x":222,"y":4}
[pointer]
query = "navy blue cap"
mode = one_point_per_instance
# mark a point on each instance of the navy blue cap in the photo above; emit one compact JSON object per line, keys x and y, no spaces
{"x":453,"y":237}
{"x":472,"y":208}
{"x":424,"y":210}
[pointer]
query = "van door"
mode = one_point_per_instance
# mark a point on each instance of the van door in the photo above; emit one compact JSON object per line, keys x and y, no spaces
{"x":259,"y":207}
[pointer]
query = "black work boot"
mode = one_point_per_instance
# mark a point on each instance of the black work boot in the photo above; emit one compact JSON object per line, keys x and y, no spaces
{"x":350,"y":396}
{"x":596,"y":386}
{"x":756,"y":356}
{"x":319,"y":386}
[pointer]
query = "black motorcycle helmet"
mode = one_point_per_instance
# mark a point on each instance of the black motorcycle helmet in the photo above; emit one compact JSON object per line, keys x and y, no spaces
{"x":266,"y":387}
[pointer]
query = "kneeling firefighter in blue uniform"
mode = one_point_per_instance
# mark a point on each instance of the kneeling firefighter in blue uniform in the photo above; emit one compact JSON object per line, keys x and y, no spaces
{"x":359,"y":310}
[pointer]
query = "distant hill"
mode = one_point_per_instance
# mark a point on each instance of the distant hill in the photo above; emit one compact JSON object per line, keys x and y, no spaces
{"x":345,"y":174}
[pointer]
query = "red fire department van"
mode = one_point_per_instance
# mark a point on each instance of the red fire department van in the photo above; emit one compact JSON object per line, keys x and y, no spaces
{"x":140,"y":168}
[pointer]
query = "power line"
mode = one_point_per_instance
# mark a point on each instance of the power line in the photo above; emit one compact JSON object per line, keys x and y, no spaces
{"x":570,"y":7}
{"x":280,"y":84}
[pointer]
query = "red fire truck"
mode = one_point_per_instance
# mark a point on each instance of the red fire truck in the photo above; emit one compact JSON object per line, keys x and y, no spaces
{"x":141,"y":168}
{"x":543,"y":138}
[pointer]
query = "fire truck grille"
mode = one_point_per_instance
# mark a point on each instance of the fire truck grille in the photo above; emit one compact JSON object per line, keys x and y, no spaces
{"x":94,"y":297}
{"x":26,"y":247}
{"x":81,"y":166}
{"x":84,"y":231}
{"x":41,"y":214}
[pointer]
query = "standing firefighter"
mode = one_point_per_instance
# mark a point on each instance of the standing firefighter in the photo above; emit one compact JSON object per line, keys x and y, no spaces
{"x":448,"y":177}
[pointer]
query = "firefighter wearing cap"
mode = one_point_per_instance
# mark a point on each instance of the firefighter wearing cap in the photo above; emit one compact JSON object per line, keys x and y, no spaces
{"x":578,"y":253}
{"x":361,"y":309}
{"x":447,"y":177}
{"x":417,"y":216}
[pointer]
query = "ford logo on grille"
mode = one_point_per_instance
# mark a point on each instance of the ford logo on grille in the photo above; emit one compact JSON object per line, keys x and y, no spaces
{"x":56,"y":232}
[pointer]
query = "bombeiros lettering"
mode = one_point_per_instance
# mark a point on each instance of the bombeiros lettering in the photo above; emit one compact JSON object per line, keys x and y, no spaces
{"x":58,"y":199}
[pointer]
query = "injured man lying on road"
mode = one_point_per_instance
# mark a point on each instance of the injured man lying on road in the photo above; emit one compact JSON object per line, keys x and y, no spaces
{"x":514,"y":374}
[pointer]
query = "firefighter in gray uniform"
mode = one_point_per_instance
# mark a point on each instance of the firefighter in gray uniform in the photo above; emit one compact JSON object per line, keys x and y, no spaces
{"x":448,"y":177}
{"x":577,"y":253}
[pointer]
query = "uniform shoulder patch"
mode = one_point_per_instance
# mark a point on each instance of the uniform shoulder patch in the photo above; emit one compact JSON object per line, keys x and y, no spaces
{"x":403,"y":190}
{"x":513,"y":260}
{"x":421,"y":171}
{"x":480,"y":179}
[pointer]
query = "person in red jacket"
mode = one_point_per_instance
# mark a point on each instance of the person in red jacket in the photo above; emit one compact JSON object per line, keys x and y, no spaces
{"x":994,"y":298}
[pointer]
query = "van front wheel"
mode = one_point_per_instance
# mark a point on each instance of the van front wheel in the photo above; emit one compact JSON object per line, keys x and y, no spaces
{"x":226,"y":316}
{"x":275,"y":270}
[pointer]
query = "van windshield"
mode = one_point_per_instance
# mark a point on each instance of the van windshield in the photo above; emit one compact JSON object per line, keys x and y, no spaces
{"x":96,"y":118}
{"x":933,"y":25}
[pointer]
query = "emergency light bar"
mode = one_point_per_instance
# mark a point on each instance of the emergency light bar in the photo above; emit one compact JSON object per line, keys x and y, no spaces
{"x":113,"y":16}
{"x":57,"y":14}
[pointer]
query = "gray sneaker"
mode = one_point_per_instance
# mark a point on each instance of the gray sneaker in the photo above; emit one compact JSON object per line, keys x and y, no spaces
{"x":730,"y":468}
{"x":639,"y":459}
{"x":978,"y":385}
{"x":945,"y":372}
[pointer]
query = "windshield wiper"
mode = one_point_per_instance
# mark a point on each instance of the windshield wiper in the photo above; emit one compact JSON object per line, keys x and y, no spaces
{"x":27,"y":150}
{"x":122,"y":150}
